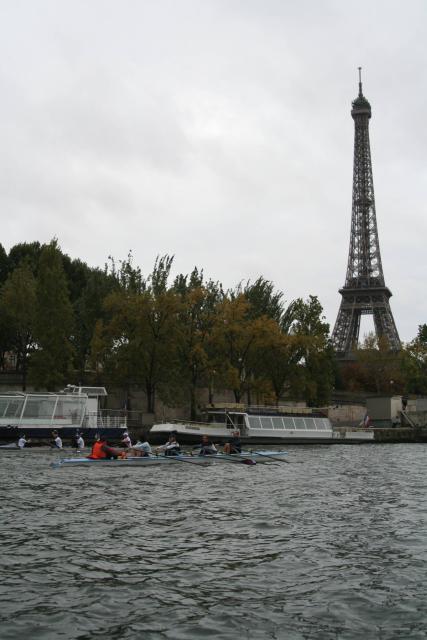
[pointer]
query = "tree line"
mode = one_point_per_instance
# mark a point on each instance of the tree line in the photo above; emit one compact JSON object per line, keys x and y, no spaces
{"x":63,"y":321}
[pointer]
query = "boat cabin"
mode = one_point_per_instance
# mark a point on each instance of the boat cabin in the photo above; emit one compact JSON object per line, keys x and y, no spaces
{"x":252,"y":419}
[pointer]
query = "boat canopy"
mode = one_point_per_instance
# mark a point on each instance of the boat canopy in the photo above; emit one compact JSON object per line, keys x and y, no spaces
{"x":47,"y":409}
{"x":264,"y":418}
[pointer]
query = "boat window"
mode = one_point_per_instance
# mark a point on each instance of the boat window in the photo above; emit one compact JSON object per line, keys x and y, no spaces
{"x":277,"y":422}
{"x":266,"y":423}
{"x":11,"y":407}
{"x":70,"y":409}
{"x":289,"y":423}
{"x":218,"y":418}
{"x":299,"y":423}
{"x":4,"y":403}
{"x":40,"y":407}
{"x":254,"y":422}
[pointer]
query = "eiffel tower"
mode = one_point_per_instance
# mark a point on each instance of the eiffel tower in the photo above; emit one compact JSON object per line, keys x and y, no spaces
{"x":364,"y":291}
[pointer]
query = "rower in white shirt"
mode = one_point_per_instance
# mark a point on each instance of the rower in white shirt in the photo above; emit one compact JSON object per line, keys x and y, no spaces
{"x":57,"y":442}
{"x":22,"y":442}
{"x":78,"y":441}
{"x":126,"y":441}
{"x":142,"y":447}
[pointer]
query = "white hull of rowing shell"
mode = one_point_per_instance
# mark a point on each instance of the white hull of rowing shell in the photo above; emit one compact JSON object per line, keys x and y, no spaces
{"x":259,"y":457}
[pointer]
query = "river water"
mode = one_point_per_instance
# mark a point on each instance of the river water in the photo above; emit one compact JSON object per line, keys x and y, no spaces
{"x":330,"y":546}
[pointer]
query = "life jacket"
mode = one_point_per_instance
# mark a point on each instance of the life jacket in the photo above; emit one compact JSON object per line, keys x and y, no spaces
{"x":97,"y":451}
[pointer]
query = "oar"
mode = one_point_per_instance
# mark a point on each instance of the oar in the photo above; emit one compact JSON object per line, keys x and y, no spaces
{"x":179,"y":459}
{"x":236,"y":458}
{"x":265,"y":455}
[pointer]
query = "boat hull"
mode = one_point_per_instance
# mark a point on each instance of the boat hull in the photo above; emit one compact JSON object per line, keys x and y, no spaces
{"x":245,"y":457}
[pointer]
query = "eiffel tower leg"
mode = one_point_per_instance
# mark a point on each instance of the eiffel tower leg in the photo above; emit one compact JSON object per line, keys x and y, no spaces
{"x":346,"y":330}
{"x":385,"y":326}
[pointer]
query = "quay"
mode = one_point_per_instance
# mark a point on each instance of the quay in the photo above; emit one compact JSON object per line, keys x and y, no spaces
{"x":400,"y":434}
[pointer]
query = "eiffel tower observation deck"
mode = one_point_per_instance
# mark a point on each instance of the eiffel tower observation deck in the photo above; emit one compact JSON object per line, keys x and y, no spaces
{"x":364,"y":291}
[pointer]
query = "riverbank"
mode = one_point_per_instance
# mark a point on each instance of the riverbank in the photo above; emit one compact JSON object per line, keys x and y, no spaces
{"x":400,"y":435}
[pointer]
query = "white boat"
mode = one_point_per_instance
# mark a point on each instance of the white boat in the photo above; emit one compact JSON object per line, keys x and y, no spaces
{"x":246,"y":457}
{"x":36,"y":415}
{"x":262,"y":425}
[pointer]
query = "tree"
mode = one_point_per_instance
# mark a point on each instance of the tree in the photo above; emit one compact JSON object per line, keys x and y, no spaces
{"x":196,"y":318}
{"x":25,"y":252}
{"x":377,"y":368}
{"x":4,"y":265}
{"x":236,"y":337}
{"x":278,"y":361}
{"x":137,"y":341}
{"x":414,"y":363}
{"x":88,"y":310}
{"x":263,"y":300}
{"x":50,"y":364}
{"x":6,"y":336}
{"x":17,"y":309}
{"x":317,"y":358}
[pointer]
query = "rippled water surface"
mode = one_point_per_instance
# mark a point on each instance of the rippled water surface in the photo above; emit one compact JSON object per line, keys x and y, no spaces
{"x":333,"y":545}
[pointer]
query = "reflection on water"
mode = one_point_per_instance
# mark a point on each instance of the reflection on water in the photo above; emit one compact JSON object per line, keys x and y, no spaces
{"x":330,"y":546}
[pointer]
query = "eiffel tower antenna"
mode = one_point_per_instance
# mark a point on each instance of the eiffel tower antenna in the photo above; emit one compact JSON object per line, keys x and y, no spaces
{"x":364,"y":291}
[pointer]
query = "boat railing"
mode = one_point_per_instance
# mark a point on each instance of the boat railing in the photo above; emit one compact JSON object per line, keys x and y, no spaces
{"x":194,"y":423}
{"x":105,"y":419}
{"x":263,"y":409}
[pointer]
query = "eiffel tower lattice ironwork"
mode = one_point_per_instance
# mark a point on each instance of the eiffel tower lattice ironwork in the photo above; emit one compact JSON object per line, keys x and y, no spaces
{"x":364,"y":291}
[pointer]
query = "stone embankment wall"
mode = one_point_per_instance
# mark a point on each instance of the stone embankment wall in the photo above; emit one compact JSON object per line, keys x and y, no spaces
{"x":396,"y":435}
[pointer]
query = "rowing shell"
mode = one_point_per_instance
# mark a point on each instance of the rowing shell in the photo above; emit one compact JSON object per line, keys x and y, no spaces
{"x":148,"y":461}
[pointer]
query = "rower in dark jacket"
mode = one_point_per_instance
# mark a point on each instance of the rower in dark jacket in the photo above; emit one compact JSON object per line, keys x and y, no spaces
{"x":233,"y":445}
{"x":207,"y":448}
{"x":171,"y":448}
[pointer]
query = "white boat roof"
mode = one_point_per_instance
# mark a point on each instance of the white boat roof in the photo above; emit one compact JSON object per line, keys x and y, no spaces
{"x":91,"y":392}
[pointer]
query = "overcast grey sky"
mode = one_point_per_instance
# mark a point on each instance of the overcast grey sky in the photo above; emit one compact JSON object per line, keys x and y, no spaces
{"x":218,"y":131}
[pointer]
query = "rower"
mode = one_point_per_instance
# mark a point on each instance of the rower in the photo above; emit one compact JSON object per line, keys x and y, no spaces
{"x":78,"y":441}
{"x":126,"y":441}
{"x":233,"y":446}
{"x":171,"y":448}
{"x":22,"y":442}
{"x":57,"y":442}
{"x":101,"y":449}
{"x":207,"y":448}
{"x":142,"y":447}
